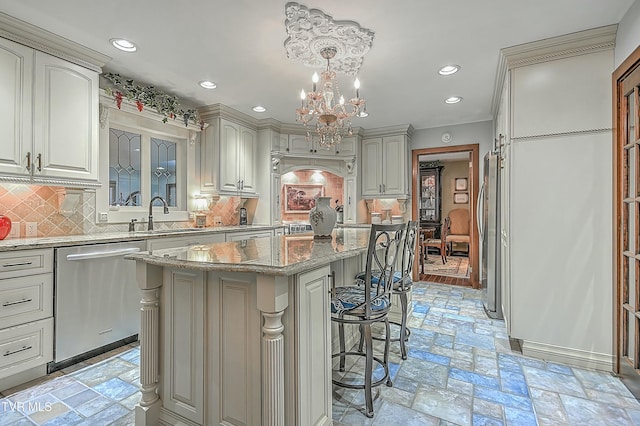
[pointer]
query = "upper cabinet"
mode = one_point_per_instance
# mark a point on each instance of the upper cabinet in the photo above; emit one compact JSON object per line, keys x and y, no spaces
{"x":385,"y":167}
{"x":228,"y":158}
{"x":299,"y":146}
{"x":48,"y":118}
{"x":16,"y":86}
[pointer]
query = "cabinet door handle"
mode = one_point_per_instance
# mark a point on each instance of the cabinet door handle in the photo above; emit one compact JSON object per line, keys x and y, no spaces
{"x":24,"y":348}
{"x":17,"y":302}
{"x":39,"y":157}
{"x":10,"y":265}
{"x":311,"y":150}
{"x":28,"y":161}
{"x":349,"y":203}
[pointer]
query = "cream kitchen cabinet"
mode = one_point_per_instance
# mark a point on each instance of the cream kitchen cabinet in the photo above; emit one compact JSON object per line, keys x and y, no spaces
{"x":237,"y":158}
{"x":228,"y":160}
{"x":385,"y":167}
{"x":26,"y":315}
{"x":299,"y":146}
{"x":49,"y":118}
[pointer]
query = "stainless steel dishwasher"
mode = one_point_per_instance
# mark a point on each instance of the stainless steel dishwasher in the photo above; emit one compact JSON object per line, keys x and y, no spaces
{"x":97,"y":301}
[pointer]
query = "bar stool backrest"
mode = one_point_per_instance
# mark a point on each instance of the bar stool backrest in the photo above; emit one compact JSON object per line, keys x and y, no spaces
{"x":408,"y":255}
{"x":385,"y":245}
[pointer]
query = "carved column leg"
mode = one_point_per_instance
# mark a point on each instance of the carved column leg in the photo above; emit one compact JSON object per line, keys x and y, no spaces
{"x":149,"y":279}
{"x":149,"y":350}
{"x":273,"y":369}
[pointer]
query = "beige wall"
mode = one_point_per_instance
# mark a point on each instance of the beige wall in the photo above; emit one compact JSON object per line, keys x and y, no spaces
{"x":452,"y":170}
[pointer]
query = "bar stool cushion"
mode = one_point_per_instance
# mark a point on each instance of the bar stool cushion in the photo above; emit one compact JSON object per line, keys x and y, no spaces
{"x":398,"y":284}
{"x":349,"y":297}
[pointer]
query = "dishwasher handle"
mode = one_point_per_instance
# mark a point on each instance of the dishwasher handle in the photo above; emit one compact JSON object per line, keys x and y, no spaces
{"x":99,"y":254}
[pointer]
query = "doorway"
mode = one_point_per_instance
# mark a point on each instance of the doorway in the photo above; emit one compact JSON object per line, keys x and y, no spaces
{"x":626,"y":136}
{"x":434,"y":159}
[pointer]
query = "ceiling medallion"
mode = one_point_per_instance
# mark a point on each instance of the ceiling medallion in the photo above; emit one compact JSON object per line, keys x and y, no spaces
{"x":310,"y":31}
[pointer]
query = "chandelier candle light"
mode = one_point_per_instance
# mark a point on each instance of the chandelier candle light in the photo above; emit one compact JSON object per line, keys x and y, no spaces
{"x":327,"y":106}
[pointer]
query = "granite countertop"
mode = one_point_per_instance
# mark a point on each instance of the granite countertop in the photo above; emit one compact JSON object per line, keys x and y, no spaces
{"x":72,"y":240}
{"x":278,"y":255}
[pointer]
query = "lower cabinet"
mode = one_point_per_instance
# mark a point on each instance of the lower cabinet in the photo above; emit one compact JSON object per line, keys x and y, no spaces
{"x":26,"y":314}
{"x":213,"y":368}
{"x":313,"y":337}
{"x":26,"y":346}
{"x":183,"y":339}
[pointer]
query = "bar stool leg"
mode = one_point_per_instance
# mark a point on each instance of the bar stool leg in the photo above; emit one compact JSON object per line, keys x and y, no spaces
{"x":368,"y":368}
{"x":403,"y":325}
{"x":361,"y":344}
{"x":342,"y":350}
{"x":386,"y":351}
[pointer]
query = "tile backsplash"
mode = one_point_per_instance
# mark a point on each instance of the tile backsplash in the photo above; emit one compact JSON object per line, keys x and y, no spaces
{"x":40,"y":204}
{"x":24,"y":203}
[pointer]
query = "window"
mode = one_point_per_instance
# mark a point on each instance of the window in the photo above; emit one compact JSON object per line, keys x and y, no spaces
{"x":129,"y":158}
{"x":143,"y":158}
{"x":124,"y":168}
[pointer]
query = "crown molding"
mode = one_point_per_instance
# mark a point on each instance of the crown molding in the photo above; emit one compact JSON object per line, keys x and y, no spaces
{"x":222,"y":111}
{"x":29,"y":35}
{"x":551,"y":49}
{"x":404,"y":129}
{"x":108,"y":102}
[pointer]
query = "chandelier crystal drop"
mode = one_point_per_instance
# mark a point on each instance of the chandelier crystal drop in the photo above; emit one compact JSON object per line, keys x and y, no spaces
{"x":323,"y":111}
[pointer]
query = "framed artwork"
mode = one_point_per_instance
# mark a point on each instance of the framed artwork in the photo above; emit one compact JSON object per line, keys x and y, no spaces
{"x":301,"y":198}
{"x":460,"y":198}
{"x":461,"y":184}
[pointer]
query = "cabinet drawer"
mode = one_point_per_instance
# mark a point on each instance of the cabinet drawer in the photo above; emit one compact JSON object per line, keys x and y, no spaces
{"x":25,"y":346}
{"x":25,"y":262}
{"x":25,"y":299}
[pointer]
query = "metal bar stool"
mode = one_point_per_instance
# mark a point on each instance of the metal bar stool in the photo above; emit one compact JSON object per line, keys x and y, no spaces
{"x":364,"y":305}
{"x":402,"y":283}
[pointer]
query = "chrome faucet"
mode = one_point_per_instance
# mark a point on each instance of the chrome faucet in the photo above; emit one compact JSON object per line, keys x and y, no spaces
{"x":166,"y":210}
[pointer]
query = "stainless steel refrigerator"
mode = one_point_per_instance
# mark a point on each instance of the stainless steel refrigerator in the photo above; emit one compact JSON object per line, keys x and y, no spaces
{"x":489,"y":229}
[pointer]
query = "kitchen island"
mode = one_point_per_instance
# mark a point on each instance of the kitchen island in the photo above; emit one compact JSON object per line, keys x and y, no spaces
{"x":240,"y":332}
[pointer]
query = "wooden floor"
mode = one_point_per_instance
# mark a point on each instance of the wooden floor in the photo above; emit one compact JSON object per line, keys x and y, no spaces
{"x":442,"y":279}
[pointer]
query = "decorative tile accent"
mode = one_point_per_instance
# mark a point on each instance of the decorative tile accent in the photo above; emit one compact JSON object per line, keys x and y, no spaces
{"x":333,"y":187}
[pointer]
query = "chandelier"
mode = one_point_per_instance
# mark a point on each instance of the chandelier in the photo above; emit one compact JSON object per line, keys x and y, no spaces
{"x":325,"y":109}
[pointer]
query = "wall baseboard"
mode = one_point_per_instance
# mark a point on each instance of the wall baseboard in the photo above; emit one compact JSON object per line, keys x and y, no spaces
{"x":569,"y":356}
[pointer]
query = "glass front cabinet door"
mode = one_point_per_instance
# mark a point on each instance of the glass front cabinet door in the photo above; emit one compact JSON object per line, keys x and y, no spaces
{"x":430,"y":198}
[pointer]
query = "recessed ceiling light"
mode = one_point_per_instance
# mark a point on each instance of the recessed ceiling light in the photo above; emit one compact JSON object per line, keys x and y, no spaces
{"x":453,"y":100}
{"x":449,"y":69}
{"x":208,"y":84}
{"x":123,"y":44}
{"x":259,"y":108}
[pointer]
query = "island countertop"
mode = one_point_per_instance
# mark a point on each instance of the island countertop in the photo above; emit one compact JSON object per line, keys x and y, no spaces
{"x":278,"y":255}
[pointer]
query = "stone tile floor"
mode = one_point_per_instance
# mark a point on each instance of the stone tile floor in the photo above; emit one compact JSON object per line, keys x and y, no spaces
{"x":460,"y":371}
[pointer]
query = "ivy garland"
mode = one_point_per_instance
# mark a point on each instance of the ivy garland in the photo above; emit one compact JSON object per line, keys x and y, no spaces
{"x":149,"y":96}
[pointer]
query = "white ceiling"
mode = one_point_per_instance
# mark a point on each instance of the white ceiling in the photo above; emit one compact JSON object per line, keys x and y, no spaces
{"x":239,"y":45}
